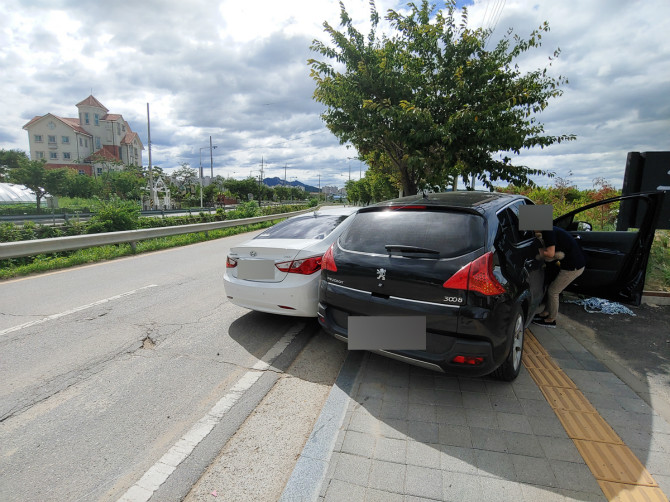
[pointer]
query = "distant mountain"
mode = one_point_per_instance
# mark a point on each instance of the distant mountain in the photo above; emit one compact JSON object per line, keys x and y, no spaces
{"x":272,"y":182}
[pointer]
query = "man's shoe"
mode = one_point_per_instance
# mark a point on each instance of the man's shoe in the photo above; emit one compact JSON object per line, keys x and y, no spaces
{"x":545,"y":323}
{"x":539,"y":317}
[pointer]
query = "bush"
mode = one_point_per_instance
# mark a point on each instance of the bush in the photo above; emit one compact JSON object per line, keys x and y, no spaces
{"x":114,"y":215}
{"x":313,"y":203}
{"x":244,"y":210}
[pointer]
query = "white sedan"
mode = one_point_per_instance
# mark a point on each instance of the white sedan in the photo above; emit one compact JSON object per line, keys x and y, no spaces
{"x":278,"y":270}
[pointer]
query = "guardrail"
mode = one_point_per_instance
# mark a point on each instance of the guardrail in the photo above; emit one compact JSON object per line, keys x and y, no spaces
{"x":55,"y":244}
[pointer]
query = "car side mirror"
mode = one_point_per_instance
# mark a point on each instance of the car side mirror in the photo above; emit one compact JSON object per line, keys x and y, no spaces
{"x":584,"y":226}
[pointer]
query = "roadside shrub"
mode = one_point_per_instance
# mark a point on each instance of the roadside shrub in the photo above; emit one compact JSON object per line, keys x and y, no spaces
{"x":46,"y":232}
{"x":9,"y":232}
{"x":313,"y":203}
{"x":27,"y":232}
{"x":114,"y":215}
{"x":244,"y":210}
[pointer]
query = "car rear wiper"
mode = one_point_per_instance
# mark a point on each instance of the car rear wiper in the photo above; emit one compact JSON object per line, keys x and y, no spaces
{"x":409,"y":249}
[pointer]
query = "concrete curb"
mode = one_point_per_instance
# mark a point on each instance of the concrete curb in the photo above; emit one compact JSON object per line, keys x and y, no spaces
{"x":312,"y":465}
{"x":656,"y":298}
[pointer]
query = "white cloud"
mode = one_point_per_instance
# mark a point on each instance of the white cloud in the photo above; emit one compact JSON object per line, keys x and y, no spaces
{"x":237,"y":71}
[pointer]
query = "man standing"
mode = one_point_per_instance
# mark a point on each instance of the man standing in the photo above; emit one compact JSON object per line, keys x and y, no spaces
{"x":571,"y":266}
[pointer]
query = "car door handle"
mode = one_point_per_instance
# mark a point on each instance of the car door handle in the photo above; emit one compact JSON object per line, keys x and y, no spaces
{"x":577,"y":237}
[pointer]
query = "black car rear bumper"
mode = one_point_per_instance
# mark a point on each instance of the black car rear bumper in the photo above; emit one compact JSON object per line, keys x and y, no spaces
{"x":441,"y":348}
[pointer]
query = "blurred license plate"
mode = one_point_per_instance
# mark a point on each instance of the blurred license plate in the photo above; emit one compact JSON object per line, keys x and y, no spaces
{"x":387,"y":333}
{"x":256,"y":270}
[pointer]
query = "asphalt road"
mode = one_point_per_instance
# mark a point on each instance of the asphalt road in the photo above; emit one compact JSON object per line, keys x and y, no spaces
{"x":104,"y":368}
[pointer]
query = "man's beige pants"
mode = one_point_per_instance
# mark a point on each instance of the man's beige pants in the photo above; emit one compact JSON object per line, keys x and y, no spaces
{"x":562,"y":281}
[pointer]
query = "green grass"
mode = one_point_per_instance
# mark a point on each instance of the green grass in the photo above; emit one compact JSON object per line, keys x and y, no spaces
{"x":45,"y":263}
{"x":658,"y":269}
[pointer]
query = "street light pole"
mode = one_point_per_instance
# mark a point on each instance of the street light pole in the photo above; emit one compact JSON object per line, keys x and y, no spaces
{"x":211,"y":165}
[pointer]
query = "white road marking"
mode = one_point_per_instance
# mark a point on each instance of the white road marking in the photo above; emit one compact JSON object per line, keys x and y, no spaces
{"x":72,"y":311}
{"x":157,"y":474}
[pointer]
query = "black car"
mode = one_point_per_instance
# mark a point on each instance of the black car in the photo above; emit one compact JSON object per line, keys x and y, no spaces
{"x":448,"y":281}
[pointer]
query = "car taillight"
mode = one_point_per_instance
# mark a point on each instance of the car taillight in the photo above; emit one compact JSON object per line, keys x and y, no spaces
{"x":471,"y":360}
{"x":305,"y":266}
{"x":328,"y":262}
{"x":477,"y":276}
{"x":231,"y":262}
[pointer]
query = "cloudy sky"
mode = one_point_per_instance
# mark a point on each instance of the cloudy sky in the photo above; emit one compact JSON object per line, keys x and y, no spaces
{"x":237,"y":71}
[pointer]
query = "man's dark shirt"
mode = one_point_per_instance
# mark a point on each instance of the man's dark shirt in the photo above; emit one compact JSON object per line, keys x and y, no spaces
{"x":574,"y":257}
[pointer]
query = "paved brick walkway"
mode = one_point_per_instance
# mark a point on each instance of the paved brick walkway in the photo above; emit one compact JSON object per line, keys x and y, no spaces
{"x":391,"y":431}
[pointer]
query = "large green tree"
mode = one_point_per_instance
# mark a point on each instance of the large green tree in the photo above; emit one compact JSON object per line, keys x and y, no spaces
{"x":430,"y":101}
{"x":40,"y":180}
{"x":10,"y":159}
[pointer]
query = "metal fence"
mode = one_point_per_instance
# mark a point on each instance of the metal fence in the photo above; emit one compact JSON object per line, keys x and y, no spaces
{"x":56,"y":244}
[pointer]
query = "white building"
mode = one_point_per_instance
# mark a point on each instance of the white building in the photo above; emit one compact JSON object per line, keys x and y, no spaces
{"x":95,"y":141}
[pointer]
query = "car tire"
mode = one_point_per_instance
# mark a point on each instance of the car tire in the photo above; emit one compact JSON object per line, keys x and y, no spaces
{"x":509,"y":369}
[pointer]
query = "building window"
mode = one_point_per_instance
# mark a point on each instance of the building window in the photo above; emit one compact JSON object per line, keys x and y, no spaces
{"x":97,"y":119}
{"x":97,"y":143}
{"x":66,"y":155}
{"x":81,"y":141}
{"x":38,"y":138}
{"x":81,"y":171}
{"x":65,"y":140}
{"x":52,"y":139}
{"x":99,"y":170}
{"x":118,"y":128}
{"x":53,"y":155}
{"x":86,"y":143}
{"x":40,"y":155}
{"x":86,"y":120}
{"x":135,"y":152}
{"x":123,"y":127}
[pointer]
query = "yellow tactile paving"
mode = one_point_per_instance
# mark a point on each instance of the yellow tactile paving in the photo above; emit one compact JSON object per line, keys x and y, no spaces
{"x":531,"y":346}
{"x":550,"y":378}
{"x":614,"y":462}
{"x":533,"y":360}
{"x":621,"y":476}
{"x":587,"y":426}
{"x":567,"y":399}
{"x":619,"y":492}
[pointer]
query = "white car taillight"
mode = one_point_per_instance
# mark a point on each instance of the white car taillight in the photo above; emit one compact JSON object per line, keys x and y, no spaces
{"x":231,"y":262}
{"x":305,"y":266}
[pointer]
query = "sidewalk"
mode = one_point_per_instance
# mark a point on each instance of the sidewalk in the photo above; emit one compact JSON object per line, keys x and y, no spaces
{"x":394,"y":432}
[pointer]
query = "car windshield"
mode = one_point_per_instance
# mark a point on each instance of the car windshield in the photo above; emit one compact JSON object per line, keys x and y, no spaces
{"x":450,"y":233}
{"x":307,"y":227}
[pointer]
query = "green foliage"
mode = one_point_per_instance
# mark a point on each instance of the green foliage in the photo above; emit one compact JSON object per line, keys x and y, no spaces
{"x":658,"y":269}
{"x":10,"y":159}
{"x":40,"y":180}
{"x":114,"y":215}
{"x":244,"y":210}
{"x":313,"y":202}
{"x":430,"y":102}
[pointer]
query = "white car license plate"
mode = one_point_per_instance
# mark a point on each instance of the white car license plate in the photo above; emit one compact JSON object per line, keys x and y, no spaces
{"x":256,"y":270}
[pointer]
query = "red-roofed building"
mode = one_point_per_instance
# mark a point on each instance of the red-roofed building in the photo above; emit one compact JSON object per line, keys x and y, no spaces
{"x":94,"y":142}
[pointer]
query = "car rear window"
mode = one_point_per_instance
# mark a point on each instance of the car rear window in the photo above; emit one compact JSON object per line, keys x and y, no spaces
{"x":307,"y":227}
{"x":450,"y":233}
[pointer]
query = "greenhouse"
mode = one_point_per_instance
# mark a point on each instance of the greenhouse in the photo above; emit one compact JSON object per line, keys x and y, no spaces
{"x":16,"y":194}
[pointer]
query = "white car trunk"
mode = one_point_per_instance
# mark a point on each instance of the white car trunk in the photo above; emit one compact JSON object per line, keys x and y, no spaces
{"x":257,"y":259}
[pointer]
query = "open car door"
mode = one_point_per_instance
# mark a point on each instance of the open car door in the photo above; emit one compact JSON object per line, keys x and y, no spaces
{"x":616,"y":236}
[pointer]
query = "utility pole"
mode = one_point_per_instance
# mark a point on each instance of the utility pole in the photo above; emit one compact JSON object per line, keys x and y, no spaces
{"x":152,"y":192}
{"x":211,"y":159}
{"x":260,"y":182}
{"x":319,"y":187}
